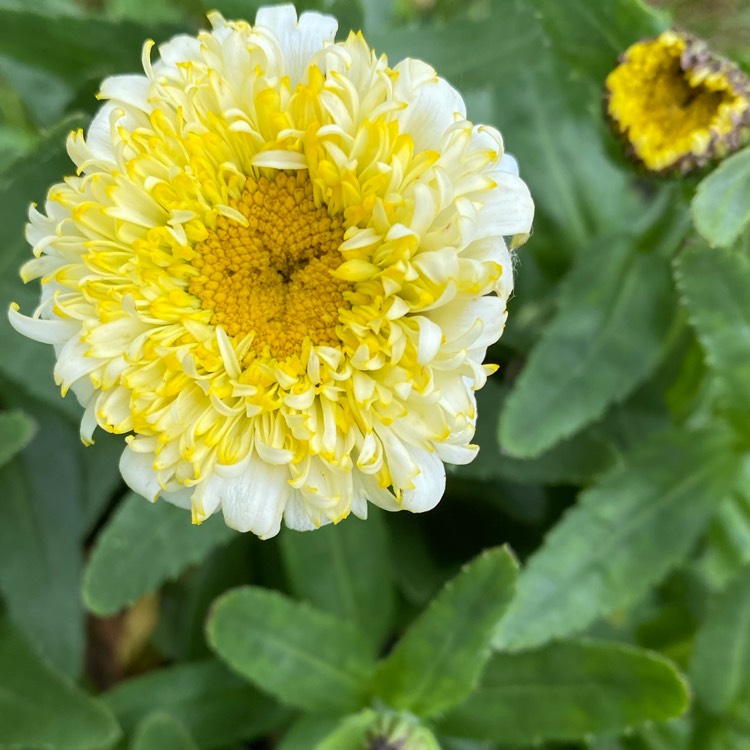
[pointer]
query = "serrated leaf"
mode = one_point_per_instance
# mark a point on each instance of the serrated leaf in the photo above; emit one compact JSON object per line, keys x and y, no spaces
{"x":716,"y":288}
{"x":606,"y":339}
{"x":345,"y":570}
{"x":160,"y":731}
{"x":721,"y":206}
{"x":569,"y":691}
{"x":27,"y":180}
{"x":590,"y":37}
{"x":438,"y":661}
{"x":40,"y":541}
{"x":142,"y":546}
{"x":306,"y":658}
{"x":720,"y":667}
{"x":627,"y":531}
{"x":16,"y":430}
{"x":39,"y":708}
{"x":216,"y":707}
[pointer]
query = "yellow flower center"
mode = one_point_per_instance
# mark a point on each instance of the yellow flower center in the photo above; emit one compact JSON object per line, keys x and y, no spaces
{"x":665,"y":110}
{"x":270,"y":276}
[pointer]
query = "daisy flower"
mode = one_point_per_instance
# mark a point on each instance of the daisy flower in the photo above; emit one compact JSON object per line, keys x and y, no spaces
{"x":277,"y":271}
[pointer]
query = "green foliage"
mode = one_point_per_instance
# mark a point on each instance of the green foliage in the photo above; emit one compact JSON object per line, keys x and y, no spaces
{"x":142,"y":546}
{"x":614,"y":453}
{"x":610,"y":549}
{"x":438,"y":661}
{"x":308,"y":659}
{"x":609,"y":333}
{"x":357,"y":583}
{"x":721,"y":207}
{"x":16,"y":430}
{"x":215,"y":707}
{"x":160,"y":731}
{"x":39,"y":708}
{"x":569,"y":690}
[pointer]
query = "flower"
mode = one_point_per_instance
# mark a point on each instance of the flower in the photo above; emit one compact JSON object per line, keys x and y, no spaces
{"x":278,"y":270}
{"x":677,"y":105}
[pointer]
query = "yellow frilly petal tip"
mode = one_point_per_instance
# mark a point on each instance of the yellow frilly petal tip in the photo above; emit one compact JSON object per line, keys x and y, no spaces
{"x":677,"y":105}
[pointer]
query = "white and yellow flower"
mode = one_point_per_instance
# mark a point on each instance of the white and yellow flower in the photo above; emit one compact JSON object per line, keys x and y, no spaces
{"x":278,"y":270}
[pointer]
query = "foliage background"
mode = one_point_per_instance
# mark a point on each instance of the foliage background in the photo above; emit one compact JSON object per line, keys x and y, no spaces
{"x":614,"y":451}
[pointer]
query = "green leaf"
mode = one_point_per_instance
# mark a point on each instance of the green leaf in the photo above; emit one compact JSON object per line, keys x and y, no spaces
{"x":351,"y":732}
{"x":102,"y":478}
{"x":306,"y":658}
{"x":16,"y":430}
{"x":614,"y":315}
{"x":573,"y":461}
{"x":94,"y":47}
{"x":720,"y":667}
{"x":216,"y":707}
{"x":721,"y":206}
{"x":142,"y":546}
{"x":307,"y":731}
{"x":40,"y":541}
{"x":569,"y":691}
{"x":716,"y":287}
{"x":160,"y":731}
{"x":39,"y":708}
{"x":27,"y":180}
{"x":628,"y":530}
{"x":345,"y":570}
{"x":589,"y":37}
{"x":437,"y":663}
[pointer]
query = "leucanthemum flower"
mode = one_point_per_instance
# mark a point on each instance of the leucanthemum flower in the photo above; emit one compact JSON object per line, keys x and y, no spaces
{"x":278,"y":270}
{"x":676,"y":104}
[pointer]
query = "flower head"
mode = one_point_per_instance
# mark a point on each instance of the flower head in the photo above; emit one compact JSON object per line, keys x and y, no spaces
{"x":677,"y":104}
{"x":278,"y":269}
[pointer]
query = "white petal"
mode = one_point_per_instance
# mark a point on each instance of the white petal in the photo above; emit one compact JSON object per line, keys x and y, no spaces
{"x":509,"y":209}
{"x":509,"y":164}
{"x":132,"y":90}
{"x":429,"y":484}
{"x":299,"y":40}
{"x":253,"y":501}
{"x":137,"y":470}
{"x":432,"y":104}
{"x":43,"y":331}
{"x":182,"y":498}
{"x":461,"y":315}
{"x":456,"y":454}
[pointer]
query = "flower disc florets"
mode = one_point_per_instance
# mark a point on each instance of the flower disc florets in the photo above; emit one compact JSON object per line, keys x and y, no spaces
{"x":278,"y":269}
{"x":676,"y":104}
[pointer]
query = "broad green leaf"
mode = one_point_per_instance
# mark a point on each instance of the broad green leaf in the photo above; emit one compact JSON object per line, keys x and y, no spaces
{"x":160,"y":731}
{"x":16,"y":430}
{"x":569,"y":691}
{"x":94,"y":47}
{"x":589,"y":37}
{"x":345,"y":570}
{"x":675,"y":734}
{"x":39,"y":708}
{"x":728,"y":543}
{"x":721,"y":206}
{"x":716,"y":287}
{"x":606,"y":339}
{"x":306,"y":658}
{"x":40,"y":541}
{"x":351,"y":732}
{"x":720,"y":667}
{"x":628,"y":530}
{"x":142,"y":546}
{"x":28,"y":179}
{"x":438,"y":661}
{"x":572,"y":461}
{"x":216,"y":707}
